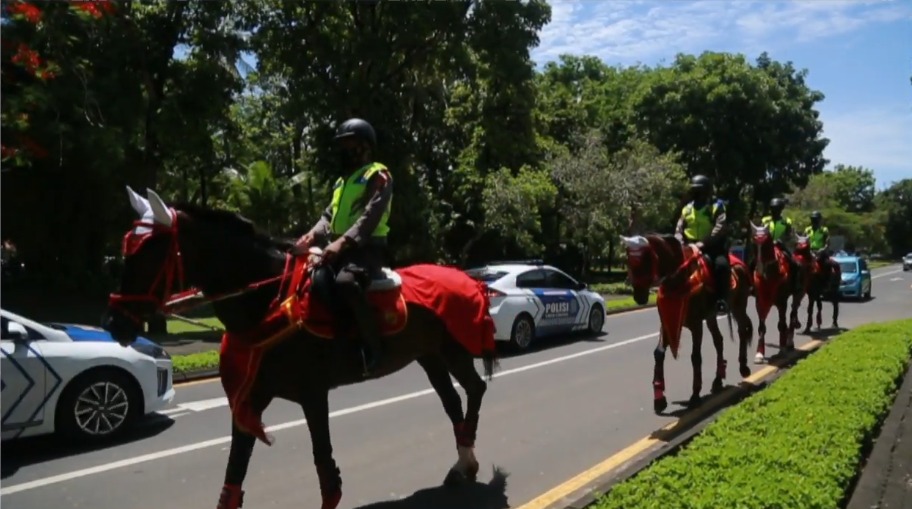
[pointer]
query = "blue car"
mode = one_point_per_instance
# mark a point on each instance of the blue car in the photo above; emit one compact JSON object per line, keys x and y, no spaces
{"x":856,"y":277}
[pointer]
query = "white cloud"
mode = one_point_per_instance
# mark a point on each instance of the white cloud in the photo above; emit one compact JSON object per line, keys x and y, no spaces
{"x":628,"y":31}
{"x":874,"y":138}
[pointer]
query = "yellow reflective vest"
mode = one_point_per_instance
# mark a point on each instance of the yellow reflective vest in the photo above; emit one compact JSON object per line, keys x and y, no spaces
{"x":348,"y":201}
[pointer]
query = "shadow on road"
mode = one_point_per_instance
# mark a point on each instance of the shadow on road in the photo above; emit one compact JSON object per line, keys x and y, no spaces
{"x":40,"y":449}
{"x":711,"y":404}
{"x":492,"y":495}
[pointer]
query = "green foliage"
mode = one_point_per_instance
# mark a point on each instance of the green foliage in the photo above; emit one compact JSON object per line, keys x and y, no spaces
{"x":489,"y":157}
{"x":195,"y":361}
{"x":795,"y":444}
{"x":896,"y":202}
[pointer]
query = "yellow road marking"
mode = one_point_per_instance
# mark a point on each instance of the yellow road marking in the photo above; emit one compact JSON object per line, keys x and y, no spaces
{"x":633,"y":450}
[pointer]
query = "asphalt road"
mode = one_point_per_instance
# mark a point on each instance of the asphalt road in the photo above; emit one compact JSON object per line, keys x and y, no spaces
{"x":548,"y":415}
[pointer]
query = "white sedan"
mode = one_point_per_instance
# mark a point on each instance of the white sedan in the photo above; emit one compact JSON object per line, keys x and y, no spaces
{"x":76,"y":380}
{"x":533,"y":300}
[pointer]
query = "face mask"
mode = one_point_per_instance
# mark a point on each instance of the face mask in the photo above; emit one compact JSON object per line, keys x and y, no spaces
{"x":350,"y":158}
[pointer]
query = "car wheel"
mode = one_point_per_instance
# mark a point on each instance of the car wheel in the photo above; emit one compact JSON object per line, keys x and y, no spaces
{"x":98,"y":405}
{"x":596,"y":319}
{"x":523,"y":332}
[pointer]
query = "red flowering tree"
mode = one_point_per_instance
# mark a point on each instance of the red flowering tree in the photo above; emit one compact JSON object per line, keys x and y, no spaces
{"x":35,"y":49}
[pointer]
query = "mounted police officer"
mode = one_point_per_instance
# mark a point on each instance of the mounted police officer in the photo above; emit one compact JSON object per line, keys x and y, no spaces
{"x":782,"y":233}
{"x":780,"y":228}
{"x":703,"y":222}
{"x":818,"y":236}
{"x":356,"y":222}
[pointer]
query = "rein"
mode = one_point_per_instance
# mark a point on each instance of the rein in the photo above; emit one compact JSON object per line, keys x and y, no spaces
{"x":172,"y":271}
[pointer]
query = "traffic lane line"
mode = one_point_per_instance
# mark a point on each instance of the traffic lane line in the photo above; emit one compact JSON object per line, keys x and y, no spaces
{"x":30,"y":485}
{"x":213,"y":442}
{"x":590,"y":477}
{"x":580,"y":399}
{"x":616,"y":318}
{"x":605,"y":329}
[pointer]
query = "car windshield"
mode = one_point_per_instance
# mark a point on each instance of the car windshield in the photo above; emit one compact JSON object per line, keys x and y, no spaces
{"x":485,"y":275}
{"x":848,"y":267}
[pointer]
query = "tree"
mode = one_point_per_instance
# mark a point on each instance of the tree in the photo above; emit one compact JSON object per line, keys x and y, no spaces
{"x":897,"y":203}
{"x":753,"y":130}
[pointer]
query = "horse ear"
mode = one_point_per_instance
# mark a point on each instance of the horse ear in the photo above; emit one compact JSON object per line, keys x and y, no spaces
{"x":159,"y":209}
{"x":139,"y":204}
{"x":753,"y":226}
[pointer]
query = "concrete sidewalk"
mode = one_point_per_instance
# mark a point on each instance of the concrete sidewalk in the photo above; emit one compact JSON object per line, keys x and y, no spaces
{"x":886,"y":479}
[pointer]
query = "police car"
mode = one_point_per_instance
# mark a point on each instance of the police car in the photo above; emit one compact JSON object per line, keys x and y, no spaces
{"x":76,"y":380}
{"x":530,"y":300}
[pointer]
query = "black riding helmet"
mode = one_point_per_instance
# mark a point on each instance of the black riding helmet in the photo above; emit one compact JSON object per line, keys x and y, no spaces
{"x":701,"y":182}
{"x":356,"y":127}
{"x":816,"y":215}
{"x":777,"y":204}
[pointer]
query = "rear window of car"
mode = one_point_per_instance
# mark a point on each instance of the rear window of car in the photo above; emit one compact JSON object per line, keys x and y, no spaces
{"x":485,"y":275}
{"x":848,"y":267}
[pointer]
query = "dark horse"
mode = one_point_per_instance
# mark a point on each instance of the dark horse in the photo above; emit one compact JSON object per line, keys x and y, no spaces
{"x":821,"y":282}
{"x":684,"y":282}
{"x":773,"y":284}
{"x":243,"y":271}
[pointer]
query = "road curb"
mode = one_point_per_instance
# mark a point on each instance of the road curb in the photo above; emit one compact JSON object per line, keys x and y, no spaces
{"x":670,"y":439}
{"x":183,"y":377}
{"x":627,"y":310}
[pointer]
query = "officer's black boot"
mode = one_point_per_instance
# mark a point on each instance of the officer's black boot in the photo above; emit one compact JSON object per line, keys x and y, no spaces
{"x":722,"y":275}
{"x":370,"y":336}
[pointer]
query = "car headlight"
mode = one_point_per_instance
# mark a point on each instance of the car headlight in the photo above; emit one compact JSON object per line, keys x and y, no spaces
{"x":154,"y":351}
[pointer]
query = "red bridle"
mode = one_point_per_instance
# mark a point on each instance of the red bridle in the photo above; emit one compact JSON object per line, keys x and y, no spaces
{"x":635,"y":260}
{"x":171,"y":271}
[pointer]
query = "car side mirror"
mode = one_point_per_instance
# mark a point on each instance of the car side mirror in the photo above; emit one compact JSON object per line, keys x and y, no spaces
{"x":16,"y":332}
{"x":581,"y":286}
{"x":865,"y":272}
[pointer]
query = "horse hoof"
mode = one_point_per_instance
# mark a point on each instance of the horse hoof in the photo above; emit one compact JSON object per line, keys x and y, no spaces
{"x":331,"y":500}
{"x":717,"y":386}
{"x":659,"y":404}
{"x":745,"y":371}
{"x":454,"y":478}
{"x":694,"y":401}
{"x":759,"y":358}
{"x":806,"y":331}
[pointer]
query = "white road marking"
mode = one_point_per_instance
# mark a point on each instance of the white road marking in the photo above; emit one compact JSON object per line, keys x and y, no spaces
{"x":38,"y":483}
{"x":887,"y":273}
{"x":896,"y":279}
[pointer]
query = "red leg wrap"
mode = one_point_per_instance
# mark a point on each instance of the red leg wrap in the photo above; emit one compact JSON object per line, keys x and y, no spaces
{"x":232,"y":497}
{"x":658,"y":390}
{"x":330,"y":487}
{"x":721,"y":368}
{"x":463,"y":434}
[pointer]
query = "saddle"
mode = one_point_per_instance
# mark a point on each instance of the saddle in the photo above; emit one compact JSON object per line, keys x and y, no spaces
{"x":705,"y":271}
{"x":384,"y":293}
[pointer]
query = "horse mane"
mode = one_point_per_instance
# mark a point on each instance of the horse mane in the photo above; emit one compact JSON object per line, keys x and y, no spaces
{"x":234,"y":223}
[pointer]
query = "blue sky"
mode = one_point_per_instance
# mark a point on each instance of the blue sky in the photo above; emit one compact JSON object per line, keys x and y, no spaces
{"x":858,"y":53}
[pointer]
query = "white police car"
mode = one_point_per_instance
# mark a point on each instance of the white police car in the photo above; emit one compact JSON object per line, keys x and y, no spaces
{"x":76,"y":380}
{"x":531,"y":300}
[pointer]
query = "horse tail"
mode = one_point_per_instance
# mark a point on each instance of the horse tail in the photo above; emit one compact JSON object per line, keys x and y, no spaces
{"x":490,"y":362}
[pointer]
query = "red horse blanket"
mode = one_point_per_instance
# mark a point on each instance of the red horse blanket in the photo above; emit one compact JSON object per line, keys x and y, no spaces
{"x":458,"y":300}
{"x":673,"y":305}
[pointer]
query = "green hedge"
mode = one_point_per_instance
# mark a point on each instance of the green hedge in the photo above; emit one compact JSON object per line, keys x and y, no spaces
{"x":796,"y":444}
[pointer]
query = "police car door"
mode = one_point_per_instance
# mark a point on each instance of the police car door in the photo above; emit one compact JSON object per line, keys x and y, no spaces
{"x":22,"y":378}
{"x":561,"y":302}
